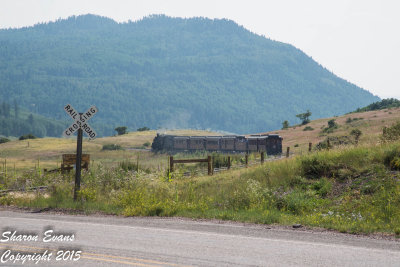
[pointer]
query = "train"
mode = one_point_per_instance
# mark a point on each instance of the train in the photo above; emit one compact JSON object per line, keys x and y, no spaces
{"x":270,"y":143}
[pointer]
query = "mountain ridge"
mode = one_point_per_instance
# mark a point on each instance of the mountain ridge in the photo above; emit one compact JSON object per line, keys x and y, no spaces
{"x":168,"y":72}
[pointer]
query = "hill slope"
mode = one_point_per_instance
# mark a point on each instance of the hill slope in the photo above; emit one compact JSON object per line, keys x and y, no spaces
{"x":168,"y":72}
{"x":370,"y":123}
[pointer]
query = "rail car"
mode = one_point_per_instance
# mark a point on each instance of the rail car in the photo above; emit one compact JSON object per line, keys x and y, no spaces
{"x":271,"y":143}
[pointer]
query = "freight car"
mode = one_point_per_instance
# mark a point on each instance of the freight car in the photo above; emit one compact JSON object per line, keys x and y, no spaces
{"x":271,"y":143}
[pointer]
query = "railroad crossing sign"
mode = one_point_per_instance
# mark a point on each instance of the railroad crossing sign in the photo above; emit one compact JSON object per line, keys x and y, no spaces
{"x":80,"y":124}
{"x":80,"y":121}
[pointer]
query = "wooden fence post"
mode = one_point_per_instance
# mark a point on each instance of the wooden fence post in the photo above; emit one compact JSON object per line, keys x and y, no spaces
{"x":287,"y":152}
{"x":229,"y":162}
{"x":247,"y":160}
{"x":262,"y":157}
{"x":329,"y":144}
{"x":171,"y":164}
{"x":309,"y":147}
{"x":209,"y":165}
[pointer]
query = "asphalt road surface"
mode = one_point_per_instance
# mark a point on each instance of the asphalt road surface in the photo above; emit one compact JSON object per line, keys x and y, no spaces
{"x":118,"y":241}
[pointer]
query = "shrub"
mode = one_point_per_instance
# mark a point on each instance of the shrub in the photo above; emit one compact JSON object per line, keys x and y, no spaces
{"x":334,"y":141}
{"x":323,"y":187}
{"x":285,"y":125}
{"x":87,"y":194}
{"x":314,"y":167}
{"x":296,"y":145}
{"x":143,"y":129}
{"x":332,"y":123}
{"x":121,"y":130}
{"x":147,"y":144}
{"x":127,"y":165}
{"x":27,"y":136}
{"x":308,"y":128}
{"x":111,"y":147}
{"x":356,"y":133}
{"x":391,"y":133}
{"x":4,"y":140}
{"x":392,"y":158}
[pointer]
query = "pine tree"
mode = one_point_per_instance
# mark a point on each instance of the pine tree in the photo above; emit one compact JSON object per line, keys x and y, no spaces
{"x":16,"y":109}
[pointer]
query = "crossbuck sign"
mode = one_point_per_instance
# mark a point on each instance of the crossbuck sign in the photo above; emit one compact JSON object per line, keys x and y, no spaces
{"x":80,"y":121}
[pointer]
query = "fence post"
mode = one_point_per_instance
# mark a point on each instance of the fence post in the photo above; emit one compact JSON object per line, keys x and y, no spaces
{"x":247,"y":160}
{"x":229,"y":162}
{"x":309,"y":147}
{"x":171,"y":164}
{"x":329,"y":144}
{"x":209,"y":165}
{"x":262,"y":157}
{"x":287,"y":152}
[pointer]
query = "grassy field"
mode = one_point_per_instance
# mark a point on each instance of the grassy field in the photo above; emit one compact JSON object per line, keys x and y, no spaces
{"x":352,"y":188}
{"x":46,"y":152}
{"x":370,"y":123}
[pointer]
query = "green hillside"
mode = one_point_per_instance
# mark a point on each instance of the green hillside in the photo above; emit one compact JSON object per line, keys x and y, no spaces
{"x":384,"y":103}
{"x":168,"y":73}
{"x":16,"y":122}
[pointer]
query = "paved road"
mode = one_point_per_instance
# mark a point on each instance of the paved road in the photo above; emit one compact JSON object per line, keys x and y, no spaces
{"x":117,"y":241}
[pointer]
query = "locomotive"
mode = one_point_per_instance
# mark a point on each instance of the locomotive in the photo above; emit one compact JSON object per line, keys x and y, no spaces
{"x":271,"y":143}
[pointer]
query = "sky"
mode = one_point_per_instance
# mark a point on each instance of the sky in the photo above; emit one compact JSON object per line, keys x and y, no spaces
{"x":358,"y":40}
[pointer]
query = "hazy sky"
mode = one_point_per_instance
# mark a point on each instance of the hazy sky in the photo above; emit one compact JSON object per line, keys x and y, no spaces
{"x":359,"y":40}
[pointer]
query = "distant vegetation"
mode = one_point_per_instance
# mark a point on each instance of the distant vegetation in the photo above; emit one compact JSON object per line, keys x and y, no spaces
{"x":121,"y":130}
{"x":285,"y":125}
{"x":391,"y":133}
{"x":165,"y":72}
{"x":143,"y":129}
{"x":304,"y":117}
{"x":4,"y":140}
{"x":384,"y":103}
{"x":15,"y":121}
{"x":111,"y":147}
{"x":27,"y":136}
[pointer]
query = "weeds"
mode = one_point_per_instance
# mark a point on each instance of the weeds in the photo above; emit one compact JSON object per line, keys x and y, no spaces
{"x":351,"y":189}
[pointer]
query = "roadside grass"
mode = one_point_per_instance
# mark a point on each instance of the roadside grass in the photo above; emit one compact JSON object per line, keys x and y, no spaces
{"x":353,"y":189}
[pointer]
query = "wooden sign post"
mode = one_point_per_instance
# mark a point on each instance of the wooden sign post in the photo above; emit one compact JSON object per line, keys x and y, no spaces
{"x":80,"y":124}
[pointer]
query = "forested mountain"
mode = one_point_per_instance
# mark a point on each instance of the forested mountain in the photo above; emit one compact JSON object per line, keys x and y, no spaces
{"x":15,"y":121}
{"x":168,"y":72}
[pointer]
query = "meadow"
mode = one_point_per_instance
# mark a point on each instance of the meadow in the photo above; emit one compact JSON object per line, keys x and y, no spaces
{"x":350,"y":188}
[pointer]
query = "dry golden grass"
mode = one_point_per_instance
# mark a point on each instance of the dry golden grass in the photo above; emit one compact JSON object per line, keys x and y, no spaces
{"x":371,"y":126}
{"x":46,"y":152}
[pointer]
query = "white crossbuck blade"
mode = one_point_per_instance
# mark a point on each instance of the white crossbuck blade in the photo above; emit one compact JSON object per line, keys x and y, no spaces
{"x":80,"y":121}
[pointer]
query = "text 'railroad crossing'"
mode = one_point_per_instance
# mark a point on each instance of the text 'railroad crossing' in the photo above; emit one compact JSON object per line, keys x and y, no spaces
{"x":80,"y":121}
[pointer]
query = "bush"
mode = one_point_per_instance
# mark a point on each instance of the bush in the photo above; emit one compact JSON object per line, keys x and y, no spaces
{"x":392,"y":133}
{"x":392,"y":158}
{"x":143,"y":129}
{"x":4,"y":140}
{"x":121,"y":130}
{"x":308,"y":128}
{"x":147,"y":144}
{"x":332,"y":123}
{"x":111,"y":147}
{"x":356,"y":133}
{"x":334,"y":141}
{"x":27,"y":136}
{"x":314,"y":167}
{"x":323,"y":187}
{"x":132,"y":166}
